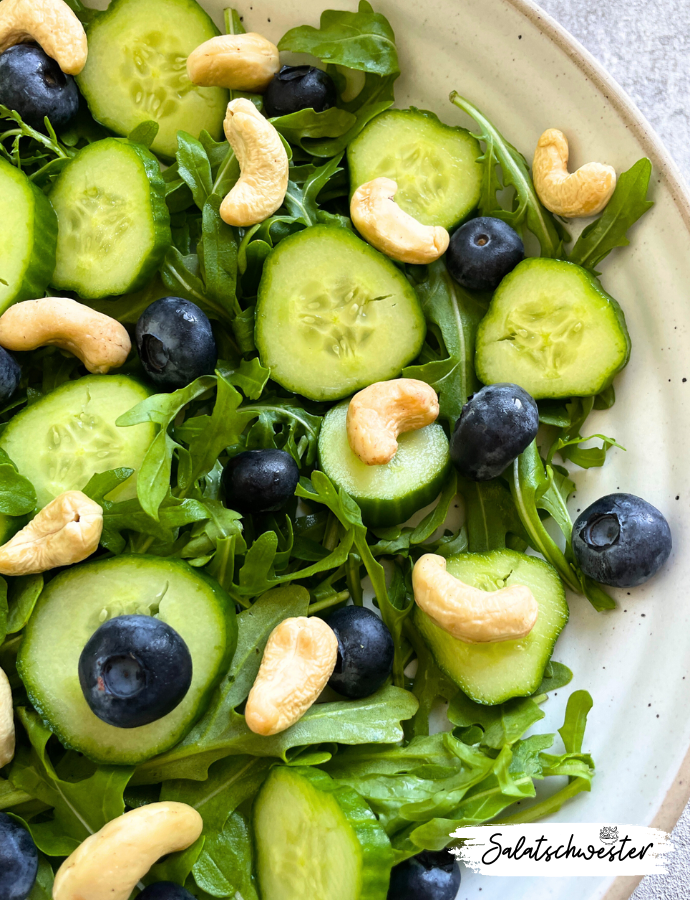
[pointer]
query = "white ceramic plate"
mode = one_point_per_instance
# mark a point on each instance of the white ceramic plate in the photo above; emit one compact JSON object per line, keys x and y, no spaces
{"x":527,"y":74}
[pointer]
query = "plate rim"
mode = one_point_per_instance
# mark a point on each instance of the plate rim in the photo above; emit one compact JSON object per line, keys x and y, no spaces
{"x":678,"y":794}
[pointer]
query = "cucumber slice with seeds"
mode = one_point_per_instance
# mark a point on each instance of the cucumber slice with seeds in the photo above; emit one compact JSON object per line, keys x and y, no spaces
{"x":113,"y":224}
{"x":319,"y":840}
{"x":137,"y":71}
{"x":493,"y":672}
{"x":386,"y":494}
{"x":69,"y":435}
{"x":28,"y":236}
{"x":334,"y":315}
{"x":72,"y":607}
{"x":434,"y":165}
{"x":552,"y":329}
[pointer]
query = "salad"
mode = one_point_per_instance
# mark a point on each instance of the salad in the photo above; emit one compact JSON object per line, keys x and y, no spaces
{"x":262,"y":338}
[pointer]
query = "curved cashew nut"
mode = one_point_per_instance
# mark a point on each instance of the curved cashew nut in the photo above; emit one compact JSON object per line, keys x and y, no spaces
{"x":469,"y":614}
{"x":382,"y":411}
{"x":382,"y":223}
{"x":52,"y":24}
{"x":299,"y":658}
{"x":64,"y":532}
{"x":6,"y":721}
{"x":100,"y":342}
{"x":239,"y":62}
{"x":108,"y":864}
{"x":582,"y":193}
{"x":263,"y":181}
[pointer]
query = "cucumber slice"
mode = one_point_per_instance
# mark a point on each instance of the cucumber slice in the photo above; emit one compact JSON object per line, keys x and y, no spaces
{"x":72,"y":607}
{"x":113,"y":224}
{"x":386,"y":494}
{"x":28,"y":236}
{"x":492,"y":673}
{"x":552,"y":329}
{"x":69,"y":435}
{"x":137,"y":71}
{"x":316,"y":839}
{"x":328,"y":307}
{"x":434,"y":165}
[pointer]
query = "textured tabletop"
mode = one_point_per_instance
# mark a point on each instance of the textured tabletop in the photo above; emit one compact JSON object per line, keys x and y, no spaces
{"x":645,"y":46}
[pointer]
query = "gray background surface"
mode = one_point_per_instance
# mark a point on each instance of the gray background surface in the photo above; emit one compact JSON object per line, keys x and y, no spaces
{"x":646,"y":47}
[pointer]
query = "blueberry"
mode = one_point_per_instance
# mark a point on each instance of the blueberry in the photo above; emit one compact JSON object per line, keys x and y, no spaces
{"x":259,"y":481}
{"x":32,"y":84}
{"x":134,"y":670}
{"x":10,"y":376}
{"x":18,"y":860}
{"x":482,"y":252}
{"x":175,"y":342}
{"x":165,"y":890}
{"x":621,"y":540}
{"x":431,"y":875}
{"x":365,"y":652}
{"x":299,"y":87}
{"x":495,"y":426}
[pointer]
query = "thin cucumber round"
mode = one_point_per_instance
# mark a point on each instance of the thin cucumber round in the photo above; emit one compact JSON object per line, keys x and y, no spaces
{"x":334,"y":315}
{"x":76,"y":602}
{"x":137,"y":71}
{"x":390,"y":493}
{"x":113,"y":224}
{"x":318,"y":840}
{"x":494,"y":672}
{"x":435,"y":165}
{"x":28,"y":236}
{"x":69,"y":435}
{"x":552,"y":329}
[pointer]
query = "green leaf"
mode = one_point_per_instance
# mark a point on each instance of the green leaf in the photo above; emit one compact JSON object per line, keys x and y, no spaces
{"x":331,"y":123}
{"x":17,"y":494}
{"x":527,"y":210}
{"x":4,"y":611}
{"x":363,"y":40}
{"x":435,"y":519}
{"x":250,"y":376}
{"x":628,"y":204}
{"x":43,"y":886}
{"x":490,"y":515}
{"x":233,"y":22}
{"x":453,"y":314}
{"x":145,"y":133}
{"x":219,"y":257}
{"x":300,"y":199}
{"x":177,"y":866}
{"x":10,"y":796}
{"x":80,"y":808}
{"x":103,"y":483}
{"x":224,"y":869}
{"x":23,"y":594}
{"x":194,"y":167}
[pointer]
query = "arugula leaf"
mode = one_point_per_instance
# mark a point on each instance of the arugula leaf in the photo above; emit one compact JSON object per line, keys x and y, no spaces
{"x":363,"y":40}
{"x":490,"y":515}
{"x":24,"y":591}
{"x":298,"y":126}
{"x":224,"y":869}
{"x":527,"y":211}
{"x":17,"y":494}
{"x":435,"y":519}
{"x":429,"y":684}
{"x":145,"y":133}
{"x":628,"y":204}
{"x":453,"y":315}
{"x":193,"y":167}
{"x":300,"y":199}
{"x":177,"y":866}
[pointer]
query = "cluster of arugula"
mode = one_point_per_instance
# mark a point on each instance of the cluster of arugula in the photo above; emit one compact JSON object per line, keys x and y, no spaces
{"x":314,"y":556}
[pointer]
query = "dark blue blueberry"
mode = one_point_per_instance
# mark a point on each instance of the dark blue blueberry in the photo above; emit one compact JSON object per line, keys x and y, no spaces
{"x":18,"y":860}
{"x":32,"y":84}
{"x":259,"y":481}
{"x":621,"y":540}
{"x":299,"y":87}
{"x":134,"y":670}
{"x":431,"y":875}
{"x":175,"y":342}
{"x":482,"y":252}
{"x":495,"y":426}
{"x":365,"y":652}
{"x":10,"y":376}
{"x":165,"y":890}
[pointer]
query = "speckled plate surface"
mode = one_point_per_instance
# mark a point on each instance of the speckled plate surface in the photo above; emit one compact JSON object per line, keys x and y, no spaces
{"x":527,"y":74}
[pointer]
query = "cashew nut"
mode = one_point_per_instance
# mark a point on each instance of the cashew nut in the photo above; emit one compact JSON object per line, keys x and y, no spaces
{"x":298,"y":661}
{"x":469,"y":614}
{"x":64,"y":532}
{"x":100,"y":342}
{"x":582,"y":193}
{"x":50,"y":23}
{"x":260,"y":189}
{"x":6,"y":721}
{"x":382,"y":223}
{"x":239,"y":62}
{"x":382,"y":411}
{"x":109,"y":864}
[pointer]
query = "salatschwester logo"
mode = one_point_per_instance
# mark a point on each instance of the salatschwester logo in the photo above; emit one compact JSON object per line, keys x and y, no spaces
{"x":563,"y":850}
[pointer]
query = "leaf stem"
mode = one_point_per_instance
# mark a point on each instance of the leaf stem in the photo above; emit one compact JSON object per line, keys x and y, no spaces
{"x":330,"y":601}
